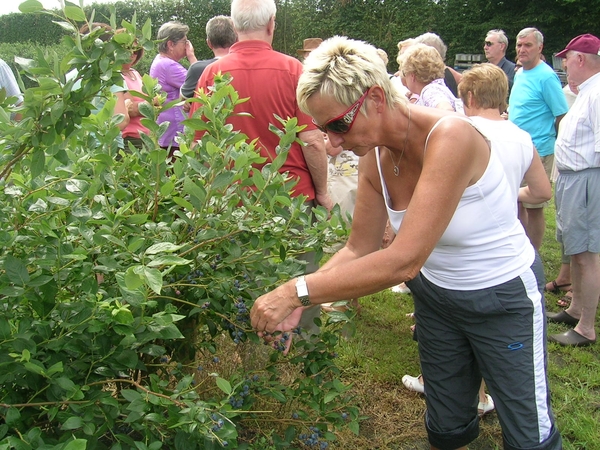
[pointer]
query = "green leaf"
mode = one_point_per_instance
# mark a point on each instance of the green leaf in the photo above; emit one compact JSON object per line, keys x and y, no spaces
{"x":130,"y":395}
{"x":166,"y":247}
{"x":72,"y":423}
{"x":31,"y":6}
{"x":132,"y":279}
{"x":123,"y":316}
{"x":154,"y":279}
{"x":16,"y":270}
{"x":168,"y":260}
{"x":74,"y":13}
{"x":80,"y":444}
{"x":224,"y":385}
{"x":38,"y":161}
{"x":12,"y":416}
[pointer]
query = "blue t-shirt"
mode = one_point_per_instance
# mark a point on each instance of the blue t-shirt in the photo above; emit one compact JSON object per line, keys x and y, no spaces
{"x":536,"y":99}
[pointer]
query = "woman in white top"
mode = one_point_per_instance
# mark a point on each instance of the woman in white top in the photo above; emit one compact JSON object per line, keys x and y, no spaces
{"x":474,"y":275}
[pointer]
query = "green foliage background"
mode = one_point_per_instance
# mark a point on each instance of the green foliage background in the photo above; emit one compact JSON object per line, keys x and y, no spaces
{"x":462,"y":24}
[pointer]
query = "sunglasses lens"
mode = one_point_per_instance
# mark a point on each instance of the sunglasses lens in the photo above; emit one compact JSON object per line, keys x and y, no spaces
{"x":338,"y":126}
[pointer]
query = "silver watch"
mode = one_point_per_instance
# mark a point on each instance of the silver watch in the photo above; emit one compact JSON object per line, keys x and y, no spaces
{"x":302,"y":291}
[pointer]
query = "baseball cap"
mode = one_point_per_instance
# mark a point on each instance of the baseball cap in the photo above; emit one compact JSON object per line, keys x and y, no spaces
{"x":585,"y":43}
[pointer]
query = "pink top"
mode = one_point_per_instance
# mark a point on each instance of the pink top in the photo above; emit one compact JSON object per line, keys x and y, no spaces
{"x":135,"y":125}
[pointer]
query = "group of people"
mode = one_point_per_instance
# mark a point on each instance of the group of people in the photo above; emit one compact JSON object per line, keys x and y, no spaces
{"x":447,"y":185}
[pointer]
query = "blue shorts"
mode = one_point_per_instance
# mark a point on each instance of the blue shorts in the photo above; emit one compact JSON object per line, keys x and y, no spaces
{"x":577,"y":196}
{"x":499,"y":334}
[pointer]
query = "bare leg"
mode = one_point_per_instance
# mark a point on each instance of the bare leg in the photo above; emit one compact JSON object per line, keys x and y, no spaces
{"x":585,"y":273}
{"x":536,"y":225}
{"x":482,"y":397}
{"x":562,"y":279}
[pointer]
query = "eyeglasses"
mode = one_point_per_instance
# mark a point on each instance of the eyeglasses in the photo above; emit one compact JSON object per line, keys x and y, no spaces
{"x":343,"y":123}
{"x":489,"y":44}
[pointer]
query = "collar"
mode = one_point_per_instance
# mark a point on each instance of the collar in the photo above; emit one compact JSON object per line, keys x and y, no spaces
{"x":255,"y":44}
{"x":588,"y":82}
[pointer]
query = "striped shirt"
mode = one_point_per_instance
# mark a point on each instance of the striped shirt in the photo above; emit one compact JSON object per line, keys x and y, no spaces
{"x":578,"y":142}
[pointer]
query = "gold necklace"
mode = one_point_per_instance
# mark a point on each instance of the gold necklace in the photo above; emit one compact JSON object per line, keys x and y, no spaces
{"x":396,"y":168}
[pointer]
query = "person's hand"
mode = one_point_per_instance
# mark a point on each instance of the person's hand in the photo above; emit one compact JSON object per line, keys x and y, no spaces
{"x":189,"y":51}
{"x":324,"y":200}
{"x":277,"y":310}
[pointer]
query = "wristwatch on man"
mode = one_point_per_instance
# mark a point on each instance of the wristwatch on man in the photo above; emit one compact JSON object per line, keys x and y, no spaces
{"x":302,"y":291}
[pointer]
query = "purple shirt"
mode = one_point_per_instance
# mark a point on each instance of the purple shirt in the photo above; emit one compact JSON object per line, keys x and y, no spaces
{"x":435,"y":93}
{"x":171,"y":75}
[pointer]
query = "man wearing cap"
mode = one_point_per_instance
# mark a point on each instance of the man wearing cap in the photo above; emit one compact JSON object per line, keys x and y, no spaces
{"x":494,"y":47}
{"x":308,"y":46}
{"x":536,"y":105}
{"x":577,"y":191}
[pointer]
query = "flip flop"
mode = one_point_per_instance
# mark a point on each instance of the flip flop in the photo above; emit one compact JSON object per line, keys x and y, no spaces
{"x":556,"y":288}
{"x":562,"y":317}
{"x":565,"y":301}
{"x":571,"y":338}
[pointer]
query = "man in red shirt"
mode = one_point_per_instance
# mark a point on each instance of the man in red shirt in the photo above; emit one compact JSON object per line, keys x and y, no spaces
{"x":269,"y":79}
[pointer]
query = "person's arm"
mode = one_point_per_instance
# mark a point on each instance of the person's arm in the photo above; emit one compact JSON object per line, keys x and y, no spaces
{"x":121,"y":108}
{"x":456,"y":157}
{"x":316,"y":160}
{"x":538,"y":189}
{"x":557,"y":122}
{"x":457,"y":75}
{"x":446,"y":106}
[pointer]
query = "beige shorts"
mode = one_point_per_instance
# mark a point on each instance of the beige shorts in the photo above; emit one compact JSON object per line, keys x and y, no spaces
{"x":548,"y":162}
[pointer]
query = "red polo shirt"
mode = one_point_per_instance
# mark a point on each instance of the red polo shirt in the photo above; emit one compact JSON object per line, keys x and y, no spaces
{"x":269,"y":79}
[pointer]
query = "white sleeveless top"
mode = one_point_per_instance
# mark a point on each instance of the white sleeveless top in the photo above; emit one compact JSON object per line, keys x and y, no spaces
{"x":484,"y":244}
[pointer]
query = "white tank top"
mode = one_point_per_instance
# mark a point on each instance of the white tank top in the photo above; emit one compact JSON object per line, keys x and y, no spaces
{"x":484,"y":244}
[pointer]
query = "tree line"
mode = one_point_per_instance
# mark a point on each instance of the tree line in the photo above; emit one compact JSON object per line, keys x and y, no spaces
{"x":462,"y":24}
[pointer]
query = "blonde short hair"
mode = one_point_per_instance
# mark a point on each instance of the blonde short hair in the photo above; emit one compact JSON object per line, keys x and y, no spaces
{"x":488,"y":86}
{"x":402,"y":46}
{"x":345,"y":69}
{"x":423,"y":61}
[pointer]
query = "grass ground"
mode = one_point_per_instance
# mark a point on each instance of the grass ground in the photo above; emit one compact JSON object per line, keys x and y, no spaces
{"x":381,"y":351}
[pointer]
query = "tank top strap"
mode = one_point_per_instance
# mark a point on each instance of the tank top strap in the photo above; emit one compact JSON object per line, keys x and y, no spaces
{"x":440,"y":120}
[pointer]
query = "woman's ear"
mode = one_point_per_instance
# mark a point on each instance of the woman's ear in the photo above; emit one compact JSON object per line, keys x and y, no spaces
{"x":377,"y":95}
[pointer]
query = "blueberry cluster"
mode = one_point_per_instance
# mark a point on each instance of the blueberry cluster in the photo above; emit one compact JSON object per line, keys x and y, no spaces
{"x":281,"y":343}
{"x":312,"y":439}
{"x":237,"y":401}
{"x":218,"y":423}
{"x":192,"y":277}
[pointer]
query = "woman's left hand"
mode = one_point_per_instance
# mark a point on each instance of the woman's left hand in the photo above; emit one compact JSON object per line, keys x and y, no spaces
{"x":277,"y":310}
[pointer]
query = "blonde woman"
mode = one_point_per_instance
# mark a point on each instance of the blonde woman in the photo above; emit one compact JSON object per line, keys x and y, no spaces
{"x":476,"y":279}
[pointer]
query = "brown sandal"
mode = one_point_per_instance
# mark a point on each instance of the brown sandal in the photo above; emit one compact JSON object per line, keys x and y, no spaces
{"x":565,"y":301}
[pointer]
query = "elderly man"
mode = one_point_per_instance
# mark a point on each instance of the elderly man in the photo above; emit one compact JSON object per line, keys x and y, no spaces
{"x":220,"y":35}
{"x":269,"y":79}
{"x":495,"y":46}
{"x":578,"y":191}
{"x":537,"y":104}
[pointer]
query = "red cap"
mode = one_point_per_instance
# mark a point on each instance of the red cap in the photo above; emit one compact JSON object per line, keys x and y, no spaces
{"x":585,"y":43}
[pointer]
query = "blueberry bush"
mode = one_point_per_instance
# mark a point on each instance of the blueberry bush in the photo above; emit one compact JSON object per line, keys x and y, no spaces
{"x":126,"y":276}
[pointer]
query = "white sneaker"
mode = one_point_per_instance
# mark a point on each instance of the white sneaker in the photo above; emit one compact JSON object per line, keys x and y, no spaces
{"x":487,"y":407}
{"x":401,"y":289}
{"x":413,"y":384}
